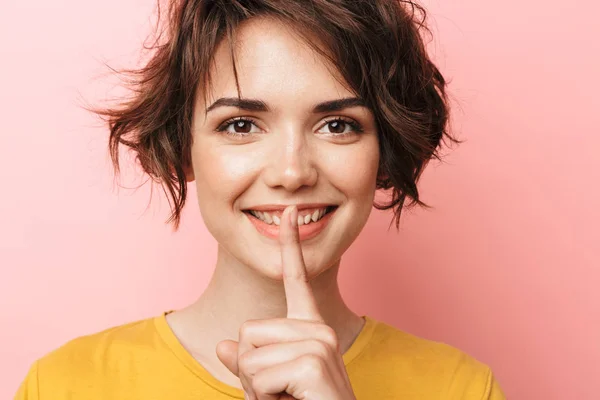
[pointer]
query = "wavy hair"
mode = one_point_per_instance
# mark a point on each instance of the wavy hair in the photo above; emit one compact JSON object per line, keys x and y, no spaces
{"x":376,"y":45}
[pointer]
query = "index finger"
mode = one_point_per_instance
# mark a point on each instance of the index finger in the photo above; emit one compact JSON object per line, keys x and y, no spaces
{"x":301,"y":303}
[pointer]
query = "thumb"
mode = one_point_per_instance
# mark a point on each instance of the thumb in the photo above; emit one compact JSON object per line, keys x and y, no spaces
{"x":227,"y":352}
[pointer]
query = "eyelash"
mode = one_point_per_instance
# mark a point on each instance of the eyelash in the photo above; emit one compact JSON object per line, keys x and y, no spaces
{"x":356,"y":127}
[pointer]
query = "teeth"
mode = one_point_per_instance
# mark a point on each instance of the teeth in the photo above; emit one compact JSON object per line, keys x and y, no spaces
{"x":315,"y":216}
{"x":302,"y":220}
{"x":267,"y":218}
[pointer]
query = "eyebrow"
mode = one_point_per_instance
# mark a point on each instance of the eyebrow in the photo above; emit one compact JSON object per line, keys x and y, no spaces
{"x":261,"y":106}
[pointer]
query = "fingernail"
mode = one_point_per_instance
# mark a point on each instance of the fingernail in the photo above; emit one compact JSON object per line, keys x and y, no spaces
{"x":294,"y":217}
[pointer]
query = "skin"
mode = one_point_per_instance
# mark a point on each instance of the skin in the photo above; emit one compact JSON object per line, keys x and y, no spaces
{"x":244,"y":323}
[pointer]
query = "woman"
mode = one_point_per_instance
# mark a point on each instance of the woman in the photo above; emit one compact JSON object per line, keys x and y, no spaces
{"x":288,"y":115}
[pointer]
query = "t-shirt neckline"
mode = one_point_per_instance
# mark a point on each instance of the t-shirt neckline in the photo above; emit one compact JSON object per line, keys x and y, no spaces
{"x":168,"y":336}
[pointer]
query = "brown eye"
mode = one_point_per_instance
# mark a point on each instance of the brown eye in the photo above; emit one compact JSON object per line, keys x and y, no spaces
{"x":242,"y":126}
{"x":239,"y":127}
{"x":337,"y":126}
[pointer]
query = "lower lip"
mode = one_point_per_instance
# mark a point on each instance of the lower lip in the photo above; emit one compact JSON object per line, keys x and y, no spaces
{"x":305,"y":231}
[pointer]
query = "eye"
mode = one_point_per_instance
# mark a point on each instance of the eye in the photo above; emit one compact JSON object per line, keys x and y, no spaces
{"x":342,"y":127}
{"x":238,"y":127}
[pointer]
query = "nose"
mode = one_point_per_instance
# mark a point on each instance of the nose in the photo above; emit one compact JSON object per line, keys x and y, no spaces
{"x":291,"y":165}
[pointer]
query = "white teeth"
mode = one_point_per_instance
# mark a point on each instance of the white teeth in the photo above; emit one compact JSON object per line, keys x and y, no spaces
{"x":267,"y":218}
{"x":302,"y":220}
{"x":315,"y":216}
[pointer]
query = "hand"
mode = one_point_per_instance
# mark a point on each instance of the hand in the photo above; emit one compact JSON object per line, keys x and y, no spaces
{"x":297,"y":357}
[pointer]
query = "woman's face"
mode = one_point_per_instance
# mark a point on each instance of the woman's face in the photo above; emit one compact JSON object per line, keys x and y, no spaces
{"x":289,"y":142}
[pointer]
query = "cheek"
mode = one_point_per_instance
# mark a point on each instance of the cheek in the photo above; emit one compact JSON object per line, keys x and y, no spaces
{"x":222,"y":174}
{"x":353,"y":169}
{"x":353,"y":172}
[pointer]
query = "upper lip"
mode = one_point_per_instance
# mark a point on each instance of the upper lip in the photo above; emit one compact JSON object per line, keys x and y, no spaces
{"x":281,"y":207}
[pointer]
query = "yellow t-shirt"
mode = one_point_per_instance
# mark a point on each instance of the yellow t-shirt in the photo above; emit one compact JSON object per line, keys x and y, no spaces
{"x":145,"y":360}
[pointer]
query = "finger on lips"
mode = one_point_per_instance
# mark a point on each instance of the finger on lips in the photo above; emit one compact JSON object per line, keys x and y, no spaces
{"x":273,"y":353}
{"x":301,"y":303}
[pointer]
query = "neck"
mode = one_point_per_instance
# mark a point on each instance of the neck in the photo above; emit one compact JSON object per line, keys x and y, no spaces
{"x":237,"y":293}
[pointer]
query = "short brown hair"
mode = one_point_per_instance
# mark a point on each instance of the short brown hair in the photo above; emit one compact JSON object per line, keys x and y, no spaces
{"x":375,"y":44}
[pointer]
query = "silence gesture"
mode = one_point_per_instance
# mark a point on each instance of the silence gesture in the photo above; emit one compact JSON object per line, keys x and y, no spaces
{"x":297,"y":357}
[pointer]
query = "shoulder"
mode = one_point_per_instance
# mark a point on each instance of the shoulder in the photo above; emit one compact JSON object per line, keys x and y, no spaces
{"x":426,"y":364}
{"x":104,"y":353}
{"x":393,"y":341}
{"x":102,"y":344}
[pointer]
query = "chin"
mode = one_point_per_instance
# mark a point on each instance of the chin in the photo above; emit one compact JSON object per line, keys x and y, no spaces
{"x":272,"y":268}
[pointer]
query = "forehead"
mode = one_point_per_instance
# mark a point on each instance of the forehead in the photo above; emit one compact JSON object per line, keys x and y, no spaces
{"x":274,"y":63}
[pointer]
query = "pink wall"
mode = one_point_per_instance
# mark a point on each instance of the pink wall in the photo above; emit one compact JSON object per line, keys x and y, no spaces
{"x":502,"y":268}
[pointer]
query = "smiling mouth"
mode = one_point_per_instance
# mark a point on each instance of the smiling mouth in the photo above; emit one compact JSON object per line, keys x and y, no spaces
{"x":313,"y":223}
{"x":305,"y":217}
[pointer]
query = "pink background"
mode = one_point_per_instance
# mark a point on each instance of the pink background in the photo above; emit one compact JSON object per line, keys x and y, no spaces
{"x":505,"y":266}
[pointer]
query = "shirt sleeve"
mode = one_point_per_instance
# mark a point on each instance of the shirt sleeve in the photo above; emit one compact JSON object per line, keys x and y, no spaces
{"x":29,"y":387}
